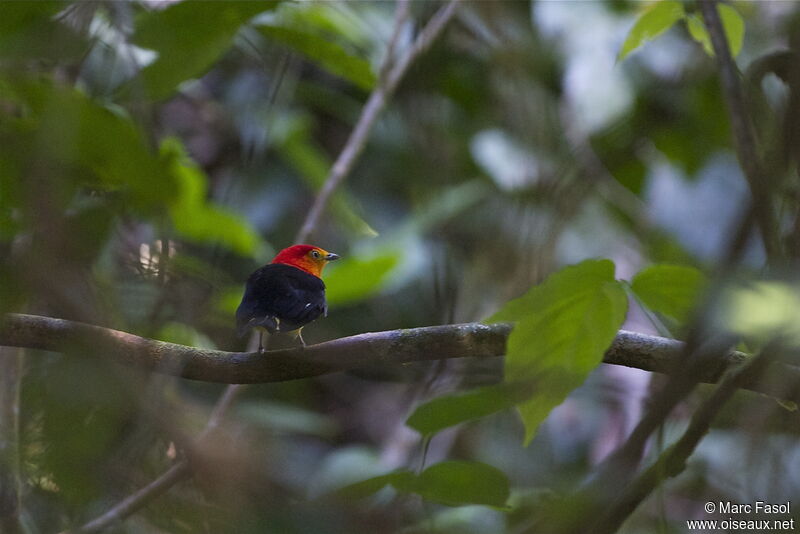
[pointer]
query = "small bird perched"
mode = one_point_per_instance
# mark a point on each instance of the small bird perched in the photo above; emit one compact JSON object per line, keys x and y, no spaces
{"x":286,"y":294}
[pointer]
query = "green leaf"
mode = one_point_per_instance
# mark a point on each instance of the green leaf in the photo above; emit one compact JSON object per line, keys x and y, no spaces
{"x":564,"y":327}
{"x":85,"y":141}
{"x":669,"y":289}
{"x":450,"y":410}
{"x":732,"y":23}
{"x":326,"y":53}
{"x":458,"y":483}
{"x":653,"y":22}
{"x":28,"y":31}
{"x":189,"y":37}
{"x":454,"y":483}
{"x":353,"y":279}
{"x":196,"y":218}
{"x":762,"y":311}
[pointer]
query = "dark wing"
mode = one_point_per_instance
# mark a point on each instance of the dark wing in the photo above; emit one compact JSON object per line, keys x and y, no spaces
{"x":280,"y":298}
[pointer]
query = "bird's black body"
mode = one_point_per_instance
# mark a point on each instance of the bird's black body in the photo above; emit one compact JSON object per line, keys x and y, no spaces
{"x":280,"y":298}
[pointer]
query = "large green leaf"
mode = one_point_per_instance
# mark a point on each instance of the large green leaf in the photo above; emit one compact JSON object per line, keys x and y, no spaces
{"x":653,"y":22}
{"x":189,"y":37}
{"x":357,"y":278}
{"x":449,"y":410}
{"x":564,"y":327}
{"x":196,"y":218}
{"x":454,"y":483}
{"x":732,"y":22}
{"x":669,"y":289}
{"x":326,"y":53}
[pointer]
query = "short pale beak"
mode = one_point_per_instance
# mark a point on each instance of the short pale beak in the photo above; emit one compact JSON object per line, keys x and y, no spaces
{"x":331,"y":257}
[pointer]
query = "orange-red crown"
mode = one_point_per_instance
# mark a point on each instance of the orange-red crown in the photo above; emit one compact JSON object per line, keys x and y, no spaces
{"x":309,"y":258}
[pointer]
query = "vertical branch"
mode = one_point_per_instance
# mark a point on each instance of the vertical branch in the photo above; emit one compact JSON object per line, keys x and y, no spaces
{"x":10,"y":379}
{"x":744,"y":137}
{"x":375,"y":104}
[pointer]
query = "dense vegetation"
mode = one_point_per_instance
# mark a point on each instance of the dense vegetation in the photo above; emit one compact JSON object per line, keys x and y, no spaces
{"x":570,"y":168}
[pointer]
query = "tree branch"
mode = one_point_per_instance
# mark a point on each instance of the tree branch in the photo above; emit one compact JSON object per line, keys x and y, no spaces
{"x":745,"y":141}
{"x":393,"y":347}
{"x":375,"y":104}
{"x":673,"y":461}
{"x":179,"y":471}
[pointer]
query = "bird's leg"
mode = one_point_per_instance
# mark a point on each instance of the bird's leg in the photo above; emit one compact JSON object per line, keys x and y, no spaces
{"x":300,"y":335}
{"x":261,"y":342}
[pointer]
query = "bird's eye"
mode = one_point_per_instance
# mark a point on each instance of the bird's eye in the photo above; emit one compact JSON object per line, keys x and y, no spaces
{"x":314,"y":254}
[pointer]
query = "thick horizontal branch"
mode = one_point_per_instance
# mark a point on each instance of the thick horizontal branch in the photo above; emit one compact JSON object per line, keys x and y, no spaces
{"x":476,"y":340}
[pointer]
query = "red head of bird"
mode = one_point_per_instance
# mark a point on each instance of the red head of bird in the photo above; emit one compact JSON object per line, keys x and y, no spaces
{"x":309,"y":258}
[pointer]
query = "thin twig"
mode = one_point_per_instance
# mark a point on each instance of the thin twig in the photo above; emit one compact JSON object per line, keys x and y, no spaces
{"x":673,"y":461}
{"x":141,"y":498}
{"x":400,"y":16}
{"x":745,"y":141}
{"x":375,"y":104}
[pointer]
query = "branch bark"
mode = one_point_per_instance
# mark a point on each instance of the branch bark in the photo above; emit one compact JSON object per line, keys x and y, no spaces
{"x":393,"y":347}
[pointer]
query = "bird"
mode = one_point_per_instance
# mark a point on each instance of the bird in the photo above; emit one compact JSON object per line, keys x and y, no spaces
{"x":286,"y":294}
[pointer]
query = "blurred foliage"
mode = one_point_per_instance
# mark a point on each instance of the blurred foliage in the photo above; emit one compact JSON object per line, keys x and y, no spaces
{"x":452,"y":483}
{"x":154,"y":153}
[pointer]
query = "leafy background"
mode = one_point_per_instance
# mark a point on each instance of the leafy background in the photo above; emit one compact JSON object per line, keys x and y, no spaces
{"x":152,"y":154}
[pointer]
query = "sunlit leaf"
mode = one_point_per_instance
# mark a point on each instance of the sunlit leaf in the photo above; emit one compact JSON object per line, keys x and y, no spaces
{"x":732,"y":23}
{"x":653,"y":22}
{"x":673,"y":290}
{"x":449,"y":410}
{"x":763,"y":311}
{"x":189,"y":37}
{"x":352,"y":279}
{"x":564,"y":327}
{"x":669,"y":289}
{"x":326,"y":53}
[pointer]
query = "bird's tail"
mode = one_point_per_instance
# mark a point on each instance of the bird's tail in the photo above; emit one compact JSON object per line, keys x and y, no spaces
{"x":268,"y":323}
